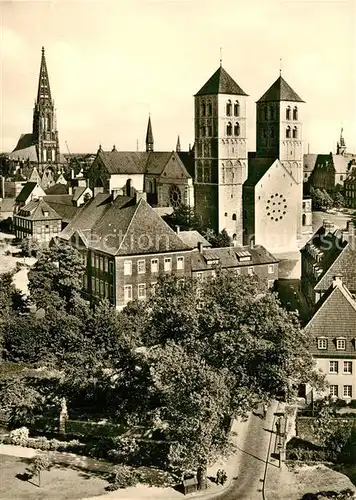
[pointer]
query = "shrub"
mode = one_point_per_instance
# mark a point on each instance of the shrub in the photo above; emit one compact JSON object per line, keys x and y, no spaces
{"x":306,"y":455}
{"x":155,"y":477}
{"x":123,"y":476}
{"x":340,"y":403}
{"x":19,"y":436}
{"x":352,"y":403}
{"x":40,"y":443}
{"x":113,"y":487}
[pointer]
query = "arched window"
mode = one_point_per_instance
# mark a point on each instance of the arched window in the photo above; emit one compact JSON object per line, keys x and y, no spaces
{"x":229,"y":129}
{"x":266,"y":113}
{"x":271,"y":112}
{"x":295,"y":133}
{"x":202,"y":131}
{"x":210,"y":109}
{"x":237,"y":129}
{"x":228,"y":108}
{"x":203,"y":109}
{"x":288,"y":113}
{"x":233,"y":216}
{"x":295,"y":113}
{"x":288,"y":132}
{"x":271,"y":132}
{"x":237,"y":108}
{"x":209,"y":130}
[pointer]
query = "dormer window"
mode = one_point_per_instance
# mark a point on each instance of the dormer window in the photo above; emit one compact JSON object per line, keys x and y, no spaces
{"x":322,"y":343}
{"x":243,"y":256}
{"x":340,"y":343}
{"x":45,"y":213}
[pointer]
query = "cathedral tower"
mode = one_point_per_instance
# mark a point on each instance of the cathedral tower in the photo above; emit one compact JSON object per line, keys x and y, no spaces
{"x":44,"y":128}
{"x":220,"y":153}
{"x":279,"y":132}
{"x":149,"y":136}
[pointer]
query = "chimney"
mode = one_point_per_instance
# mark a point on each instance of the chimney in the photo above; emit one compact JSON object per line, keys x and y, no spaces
{"x":70,"y":189}
{"x":200,"y":246}
{"x":72,"y":176}
{"x":337,"y":281}
{"x":348,"y":234}
{"x":178,"y":229}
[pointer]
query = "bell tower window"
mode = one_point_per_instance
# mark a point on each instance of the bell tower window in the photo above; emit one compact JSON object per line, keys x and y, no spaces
{"x":210,"y":109}
{"x":295,"y":113}
{"x":295,"y":133}
{"x":288,"y":113}
{"x":203,"y":109}
{"x":288,"y":131}
{"x":237,"y":129}
{"x":237,"y":108}
{"x":229,"y":129}
{"x":228,"y":108}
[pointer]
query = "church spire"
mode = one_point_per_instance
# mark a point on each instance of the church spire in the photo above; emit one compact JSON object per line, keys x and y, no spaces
{"x":341,"y":145}
{"x":44,"y":90}
{"x":149,"y":136}
{"x":178,"y":145}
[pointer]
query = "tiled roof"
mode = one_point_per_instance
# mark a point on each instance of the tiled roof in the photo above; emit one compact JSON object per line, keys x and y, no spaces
{"x":57,"y":189}
{"x":123,"y":162}
{"x":25,"y":154}
{"x":25,"y":192}
{"x":63,"y":199}
{"x":309,"y":162}
{"x":25,"y":141}
{"x":257,"y":167}
{"x":335,"y":316}
{"x":67,"y":212}
{"x":280,"y":91}
{"x":36,"y":210}
{"x":221,"y":83}
{"x":77,"y":192}
{"x":192,"y":238}
{"x":121,"y":227}
{"x":228,"y":257}
{"x":156,"y":161}
{"x":340,"y":164}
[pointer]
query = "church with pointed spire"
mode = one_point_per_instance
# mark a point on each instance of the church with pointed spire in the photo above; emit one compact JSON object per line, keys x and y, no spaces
{"x":41,"y":147}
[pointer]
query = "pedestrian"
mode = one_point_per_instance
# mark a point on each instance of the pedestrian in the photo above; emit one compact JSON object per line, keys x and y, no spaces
{"x":223,"y":477}
{"x":218,"y":476}
{"x":264,"y":410}
{"x":278,"y":427}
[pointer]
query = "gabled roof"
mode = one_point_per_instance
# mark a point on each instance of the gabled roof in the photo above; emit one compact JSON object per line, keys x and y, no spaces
{"x":36,"y":210}
{"x":123,"y":162}
{"x":257,"y":167}
{"x":192,"y":238}
{"x":25,"y":141}
{"x":228,"y":257}
{"x":63,"y":199}
{"x":309,"y":162}
{"x":57,"y":189}
{"x":26,"y":192}
{"x":67,"y":212}
{"x":280,"y":91}
{"x":221,"y":83}
{"x":156,"y":161}
{"x":334,"y":316}
{"x":77,"y":192}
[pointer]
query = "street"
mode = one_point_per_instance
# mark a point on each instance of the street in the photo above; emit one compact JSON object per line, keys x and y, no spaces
{"x":251,"y":474}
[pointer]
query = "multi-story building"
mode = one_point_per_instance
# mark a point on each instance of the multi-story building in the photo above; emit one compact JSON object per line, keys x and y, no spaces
{"x":328,"y":253}
{"x":37,"y":220}
{"x":350,"y":188}
{"x":30,"y":191}
{"x":332,"y":330}
{"x":126,"y":245}
{"x":220,"y":153}
{"x":245,"y":261}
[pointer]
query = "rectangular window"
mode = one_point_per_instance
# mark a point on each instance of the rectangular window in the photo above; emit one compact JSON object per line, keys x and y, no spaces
{"x":141,"y":291}
{"x":334,"y":390}
{"x":250,"y":271}
{"x":322,"y":343}
{"x":111,"y":267}
{"x":180,"y":263}
{"x":199,"y":276}
{"x":106,"y":264}
{"x":92,"y":260}
{"x":85,"y":282}
{"x":167,"y":264}
{"x":347,"y":391}
{"x":153,"y":287}
{"x":127,"y":293}
{"x":97,"y":261}
{"x":101,"y":288}
{"x":348,"y":367}
{"x":127,"y":267}
{"x":93,"y":285}
{"x":333,"y":367}
{"x":271,"y":269}
{"x":341,"y":344}
{"x":111,"y":292}
{"x":213,"y":273}
{"x":141,"y":266}
{"x":97,"y":286}
{"x":154,"y":266}
{"x":101,"y":264}
{"x":107,"y":290}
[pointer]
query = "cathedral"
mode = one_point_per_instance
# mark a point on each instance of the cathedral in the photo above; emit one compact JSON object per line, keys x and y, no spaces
{"x":256,"y":197}
{"x":41,"y":147}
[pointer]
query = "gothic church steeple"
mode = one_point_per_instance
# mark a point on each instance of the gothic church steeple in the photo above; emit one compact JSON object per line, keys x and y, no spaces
{"x":44,"y":128}
{"x":149,"y":136}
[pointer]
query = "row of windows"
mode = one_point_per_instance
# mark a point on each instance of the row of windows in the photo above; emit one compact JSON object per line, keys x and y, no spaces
{"x":290,"y":133}
{"x":346,"y":391}
{"x":99,"y":287}
{"x":141,"y":291}
{"x":141,"y":265}
{"x":206,"y":109}
{"x":237,"y":271}
{"x":101,"y":263}
{"x":230,"y":130}
{"x":340,"y":343}
{"x":269,"y":113}
{"x":334,"y":367}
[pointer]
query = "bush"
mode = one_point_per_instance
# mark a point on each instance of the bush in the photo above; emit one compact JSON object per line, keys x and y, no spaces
{"x":306,"y":455}
{"x":352,"y":403}
{"x":113,"y":487}
{"x":123,"y":476}
{"x":340,"y":403}
{"x":19,"y":436}
{"x":155,"y":477}
{"x":40,"y":443}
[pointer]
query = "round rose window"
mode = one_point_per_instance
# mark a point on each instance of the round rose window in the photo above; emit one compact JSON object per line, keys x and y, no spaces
{"x":276,"y":207}
{"x":175,"y":196}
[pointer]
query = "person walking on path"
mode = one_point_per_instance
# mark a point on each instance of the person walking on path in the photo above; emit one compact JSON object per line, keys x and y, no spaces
{"x":223,"y":477}
{"x":218,"y":476}
{"x":264,"y":410}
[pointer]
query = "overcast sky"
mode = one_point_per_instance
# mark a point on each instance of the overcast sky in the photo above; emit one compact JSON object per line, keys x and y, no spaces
{"x":111,"y":63}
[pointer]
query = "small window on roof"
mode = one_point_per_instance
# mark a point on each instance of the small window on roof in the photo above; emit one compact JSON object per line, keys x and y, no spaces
{"x":243,"y":255}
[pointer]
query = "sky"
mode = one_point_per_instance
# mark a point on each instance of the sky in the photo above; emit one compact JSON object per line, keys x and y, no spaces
{"x":112,"y":62}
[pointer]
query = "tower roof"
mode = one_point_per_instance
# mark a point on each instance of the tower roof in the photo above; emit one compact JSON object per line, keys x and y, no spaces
{"x":221,"y":83}
{"x":44,"y":90}
{"x":280,"y":91}
{"x":149,"y":135}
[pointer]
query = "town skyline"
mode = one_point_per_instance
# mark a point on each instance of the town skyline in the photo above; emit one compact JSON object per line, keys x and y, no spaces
{"x":147,"y":76}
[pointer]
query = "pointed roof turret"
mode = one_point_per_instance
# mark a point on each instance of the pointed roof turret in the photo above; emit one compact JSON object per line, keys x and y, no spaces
{"x":221,"y":83}
{"x":178,"y":145}
{"x":280,"y":91}
{"x":44,"y":90}
{"x":149,"y":136}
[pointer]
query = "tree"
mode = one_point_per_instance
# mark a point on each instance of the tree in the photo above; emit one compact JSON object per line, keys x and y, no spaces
{"x":339,"y":200}
{"x":55,"y":280}
{"x":40,"y":463}
{"x":328,"y":202}
{"x":185,"y":217}
{"x":30,"y":247}
{"x":19,"y":400}
{"x":221,"y":239}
